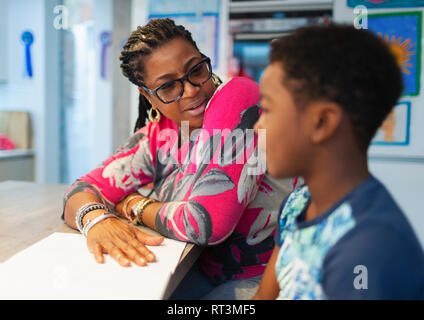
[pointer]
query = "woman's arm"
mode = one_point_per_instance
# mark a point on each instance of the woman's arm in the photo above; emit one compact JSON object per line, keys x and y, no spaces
{"x":129,"y":168}
{"x":118,"y":176}
{"x":77,"y":201}
{"x":203,"y":200}
{"x":148,"y":214}
{"x":123,"y":242}
{"x":206,"y":197}
{"x":269,"y":287}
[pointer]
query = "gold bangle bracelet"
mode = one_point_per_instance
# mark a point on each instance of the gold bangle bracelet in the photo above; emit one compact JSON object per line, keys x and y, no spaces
{"x":135,"y":209}
{"x":127,"y":201}
{"x":141,"y":209}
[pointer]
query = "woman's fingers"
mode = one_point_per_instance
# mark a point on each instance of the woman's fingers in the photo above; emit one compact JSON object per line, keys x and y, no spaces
{"x":98,"y":253}
{"x":143,"y":251}
{"x":135,"y":250}
{"x":148,"y":239}
{"x":123,"y":242}
{"x":120,"y":257}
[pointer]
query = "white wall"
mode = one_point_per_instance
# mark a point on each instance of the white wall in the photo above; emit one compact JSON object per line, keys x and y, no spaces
{"x":405,"y":181}
{"x":49,"y":164}
{"x":403,"y":178}
{"x":39,"y":94}
{"x":87,"y":96}
{"x":103,"y":127}
{"x":139,"y":14}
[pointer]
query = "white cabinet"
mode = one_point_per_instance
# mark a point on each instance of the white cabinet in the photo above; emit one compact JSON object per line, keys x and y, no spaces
{"x":17,"y":165}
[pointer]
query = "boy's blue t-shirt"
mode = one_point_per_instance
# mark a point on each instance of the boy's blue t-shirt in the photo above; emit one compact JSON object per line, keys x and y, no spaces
{"x":361,"y":248}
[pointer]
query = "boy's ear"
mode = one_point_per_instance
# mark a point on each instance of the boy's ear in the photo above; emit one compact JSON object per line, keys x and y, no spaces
{"x":326,"y":119}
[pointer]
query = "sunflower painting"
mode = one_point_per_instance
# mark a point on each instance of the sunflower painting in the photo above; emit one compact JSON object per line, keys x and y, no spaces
{"x":402,"y":49}
{"x":402,"y":32}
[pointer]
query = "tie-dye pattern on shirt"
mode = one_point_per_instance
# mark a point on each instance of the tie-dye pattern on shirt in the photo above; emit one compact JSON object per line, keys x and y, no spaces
{"x":302,"y":250}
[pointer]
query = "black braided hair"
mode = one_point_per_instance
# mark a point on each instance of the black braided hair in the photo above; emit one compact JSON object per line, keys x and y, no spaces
{"x":142,"y":43}
{"x":315,"y":60}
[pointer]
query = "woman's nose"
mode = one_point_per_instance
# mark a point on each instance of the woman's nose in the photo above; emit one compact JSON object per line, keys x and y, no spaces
{"x":190,"y":90}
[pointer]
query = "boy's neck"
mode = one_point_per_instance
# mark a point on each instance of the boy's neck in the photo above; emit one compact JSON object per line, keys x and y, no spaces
{"x":332,"y":179}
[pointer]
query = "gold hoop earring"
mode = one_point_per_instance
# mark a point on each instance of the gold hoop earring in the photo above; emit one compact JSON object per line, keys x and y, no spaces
{"x":215,"y":80}
{"x":156,"y":118}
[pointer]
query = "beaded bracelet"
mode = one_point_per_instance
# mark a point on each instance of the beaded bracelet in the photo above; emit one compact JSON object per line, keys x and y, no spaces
{"x":83,"y":210}
{"x":138,"y":212}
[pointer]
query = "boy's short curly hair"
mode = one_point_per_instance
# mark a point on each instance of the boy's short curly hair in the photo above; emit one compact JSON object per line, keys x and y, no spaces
{"x":338,"y":63}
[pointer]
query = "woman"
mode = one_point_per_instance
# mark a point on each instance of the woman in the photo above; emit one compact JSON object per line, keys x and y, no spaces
{"x":197,"y":152}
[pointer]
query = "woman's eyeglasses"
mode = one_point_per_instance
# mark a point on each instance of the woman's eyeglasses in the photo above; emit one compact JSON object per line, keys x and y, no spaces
{"x":173,"y":90}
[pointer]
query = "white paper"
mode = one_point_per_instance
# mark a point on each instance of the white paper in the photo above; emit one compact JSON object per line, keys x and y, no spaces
{"x":61,"y":267}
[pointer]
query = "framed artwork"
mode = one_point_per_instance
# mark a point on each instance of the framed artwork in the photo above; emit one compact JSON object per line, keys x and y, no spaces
{"x":395,"y":130}
{"x":402,"y":31}
{"x":378,"y":4}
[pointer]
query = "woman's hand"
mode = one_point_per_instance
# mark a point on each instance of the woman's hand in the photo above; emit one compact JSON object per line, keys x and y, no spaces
{"x":122,"y":241}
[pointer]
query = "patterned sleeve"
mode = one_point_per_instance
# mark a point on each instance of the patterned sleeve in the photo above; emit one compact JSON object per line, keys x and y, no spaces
{"x":128,"y":169}
{"x":207,"y":196}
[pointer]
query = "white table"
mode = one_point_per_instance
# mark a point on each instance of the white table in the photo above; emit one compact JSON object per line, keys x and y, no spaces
{"x":30,"y":212}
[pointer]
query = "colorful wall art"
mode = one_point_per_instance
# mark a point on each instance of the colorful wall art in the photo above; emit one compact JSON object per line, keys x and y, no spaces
{"x":395,"y":130}
{"x":402,"y":31}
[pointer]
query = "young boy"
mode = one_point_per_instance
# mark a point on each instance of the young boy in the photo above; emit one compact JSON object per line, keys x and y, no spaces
{"x":341,"y":235}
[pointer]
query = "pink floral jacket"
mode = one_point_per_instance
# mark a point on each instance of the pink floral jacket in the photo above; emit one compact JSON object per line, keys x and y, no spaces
{"x":213,"y":187}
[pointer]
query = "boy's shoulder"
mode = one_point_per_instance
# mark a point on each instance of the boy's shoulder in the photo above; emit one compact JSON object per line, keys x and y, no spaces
{"x":374,"y":260}
{"x":374,"y":208}
{"x":363,"y":234}
{"x":369,"y":202}
{"x":380,"y":257}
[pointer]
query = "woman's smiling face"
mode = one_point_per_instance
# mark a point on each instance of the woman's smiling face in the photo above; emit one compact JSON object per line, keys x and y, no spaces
{"x":169,"y":62}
